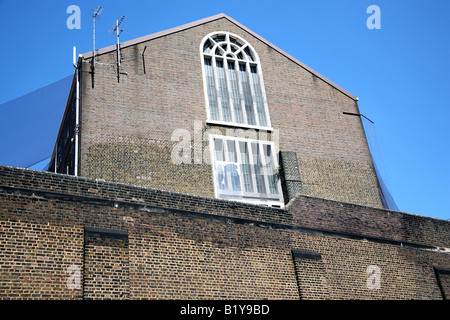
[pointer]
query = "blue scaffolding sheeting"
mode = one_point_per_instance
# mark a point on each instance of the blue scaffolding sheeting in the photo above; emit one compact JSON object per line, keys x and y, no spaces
{"x":29,"y":125}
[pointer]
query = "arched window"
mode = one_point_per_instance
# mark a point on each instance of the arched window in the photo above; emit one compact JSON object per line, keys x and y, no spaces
{"x":234,"y":86}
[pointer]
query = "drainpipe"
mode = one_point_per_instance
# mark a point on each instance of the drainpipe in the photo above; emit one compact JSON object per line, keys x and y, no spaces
{"x":55,"y":152}
{"x":77,"y":109}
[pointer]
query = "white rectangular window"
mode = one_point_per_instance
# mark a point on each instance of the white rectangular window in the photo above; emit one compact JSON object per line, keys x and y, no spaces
{"x":245,"y":170}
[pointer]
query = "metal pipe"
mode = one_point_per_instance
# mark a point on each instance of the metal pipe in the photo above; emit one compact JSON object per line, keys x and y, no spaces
{"x":77,"y":111}
{"x":93,"y":45}
{"x":118,"y":44}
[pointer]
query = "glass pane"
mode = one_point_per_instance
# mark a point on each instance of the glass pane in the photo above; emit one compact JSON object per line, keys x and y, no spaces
{"x":231,"y":151}
{"x":223,"y":92}
{"x":231,"y":170}
{"x":207,"y":47}
{"x":219,"y":38}
{"x":218,"y":148}
{"x":235,"y":41}
{"x":258,"y":169}
{"x":220,"y":178}
{"x":249,"y":54}
{"x":228,"y":177}
{"x":247,"y":94}
{"x":245,"y":167}
{"x":258,"y":96}
{"x":270,"y":169}
{"x":232,"y":76}
{"x":211,"y":90}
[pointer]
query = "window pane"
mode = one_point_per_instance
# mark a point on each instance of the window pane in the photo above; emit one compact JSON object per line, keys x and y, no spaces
{"x":218,"y":148}
{"x":218,"y":52}
{"x":221,"y":178}
{"x":270,"y":170}
{"x":211,"y":90}
{"x":232,"y":168}
{"x":248,"y":53}
{"x":245,"y":167}
{"x":231,"y":151}
{"x":247,"y":94}
{"x":234,"y":41}
{"x":219,"y":38}
{"x":258,"y":169}
{"x":228,"y":177}
{"x":235,"y":92}
{"x":258,"y":96}
{"x":223,"y":92}
{"x":232,"y":173}
{"x":207,"y":47}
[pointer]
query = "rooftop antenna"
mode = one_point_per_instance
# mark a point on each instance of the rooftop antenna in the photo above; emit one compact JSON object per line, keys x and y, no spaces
{"x":95,"y":15}
{"x":117,"y":31}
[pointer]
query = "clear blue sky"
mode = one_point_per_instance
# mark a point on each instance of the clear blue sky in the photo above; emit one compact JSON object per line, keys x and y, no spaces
{"x":401,"y":72}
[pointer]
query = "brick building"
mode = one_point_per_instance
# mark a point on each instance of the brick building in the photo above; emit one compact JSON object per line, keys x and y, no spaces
{"x":204,"y":162}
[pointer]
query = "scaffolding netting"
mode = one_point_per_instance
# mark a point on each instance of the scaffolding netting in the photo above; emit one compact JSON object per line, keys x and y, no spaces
{"x":383,"y":184}
{"x":29,"y":125}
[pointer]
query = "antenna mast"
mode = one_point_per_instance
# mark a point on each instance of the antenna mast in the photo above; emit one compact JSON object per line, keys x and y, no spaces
{"x":94,"y":16}
{"x":117,"y":31}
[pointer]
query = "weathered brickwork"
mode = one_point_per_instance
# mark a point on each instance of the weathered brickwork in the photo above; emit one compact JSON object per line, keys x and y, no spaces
{"x":311,"y":276}
{"x":130,"y":242}
{"x":370,"y":222}
{"x":106,"y":265}
{"x":128,"y":119}
{"x":345,"y":181}
{"x":204,"y":259}
{"x":35,"y":256}
{"x":404,"y":273}
{"x":147,"y":163}
{"x":443,"y":276}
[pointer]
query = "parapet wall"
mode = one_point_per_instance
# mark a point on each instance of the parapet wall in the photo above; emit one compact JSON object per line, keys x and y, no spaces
{"x":65,"y":237}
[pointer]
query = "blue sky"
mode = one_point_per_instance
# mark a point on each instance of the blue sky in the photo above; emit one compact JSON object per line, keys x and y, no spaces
{"x":401,"y":72}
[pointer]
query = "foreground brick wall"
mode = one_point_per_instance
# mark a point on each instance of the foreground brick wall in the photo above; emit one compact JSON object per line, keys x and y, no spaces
{"x":131,"y":242}
{"x":127,"y":123}
{"x":106,"y":264}
{"x":369,"y":222}
{"x":35,"y":255}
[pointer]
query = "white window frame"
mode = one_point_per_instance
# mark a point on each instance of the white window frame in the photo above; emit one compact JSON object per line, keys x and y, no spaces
{"x":229,"y":56}
{"x":276,"y":199}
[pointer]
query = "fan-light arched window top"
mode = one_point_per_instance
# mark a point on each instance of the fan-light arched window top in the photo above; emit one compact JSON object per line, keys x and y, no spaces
{"x":234,"y":86}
